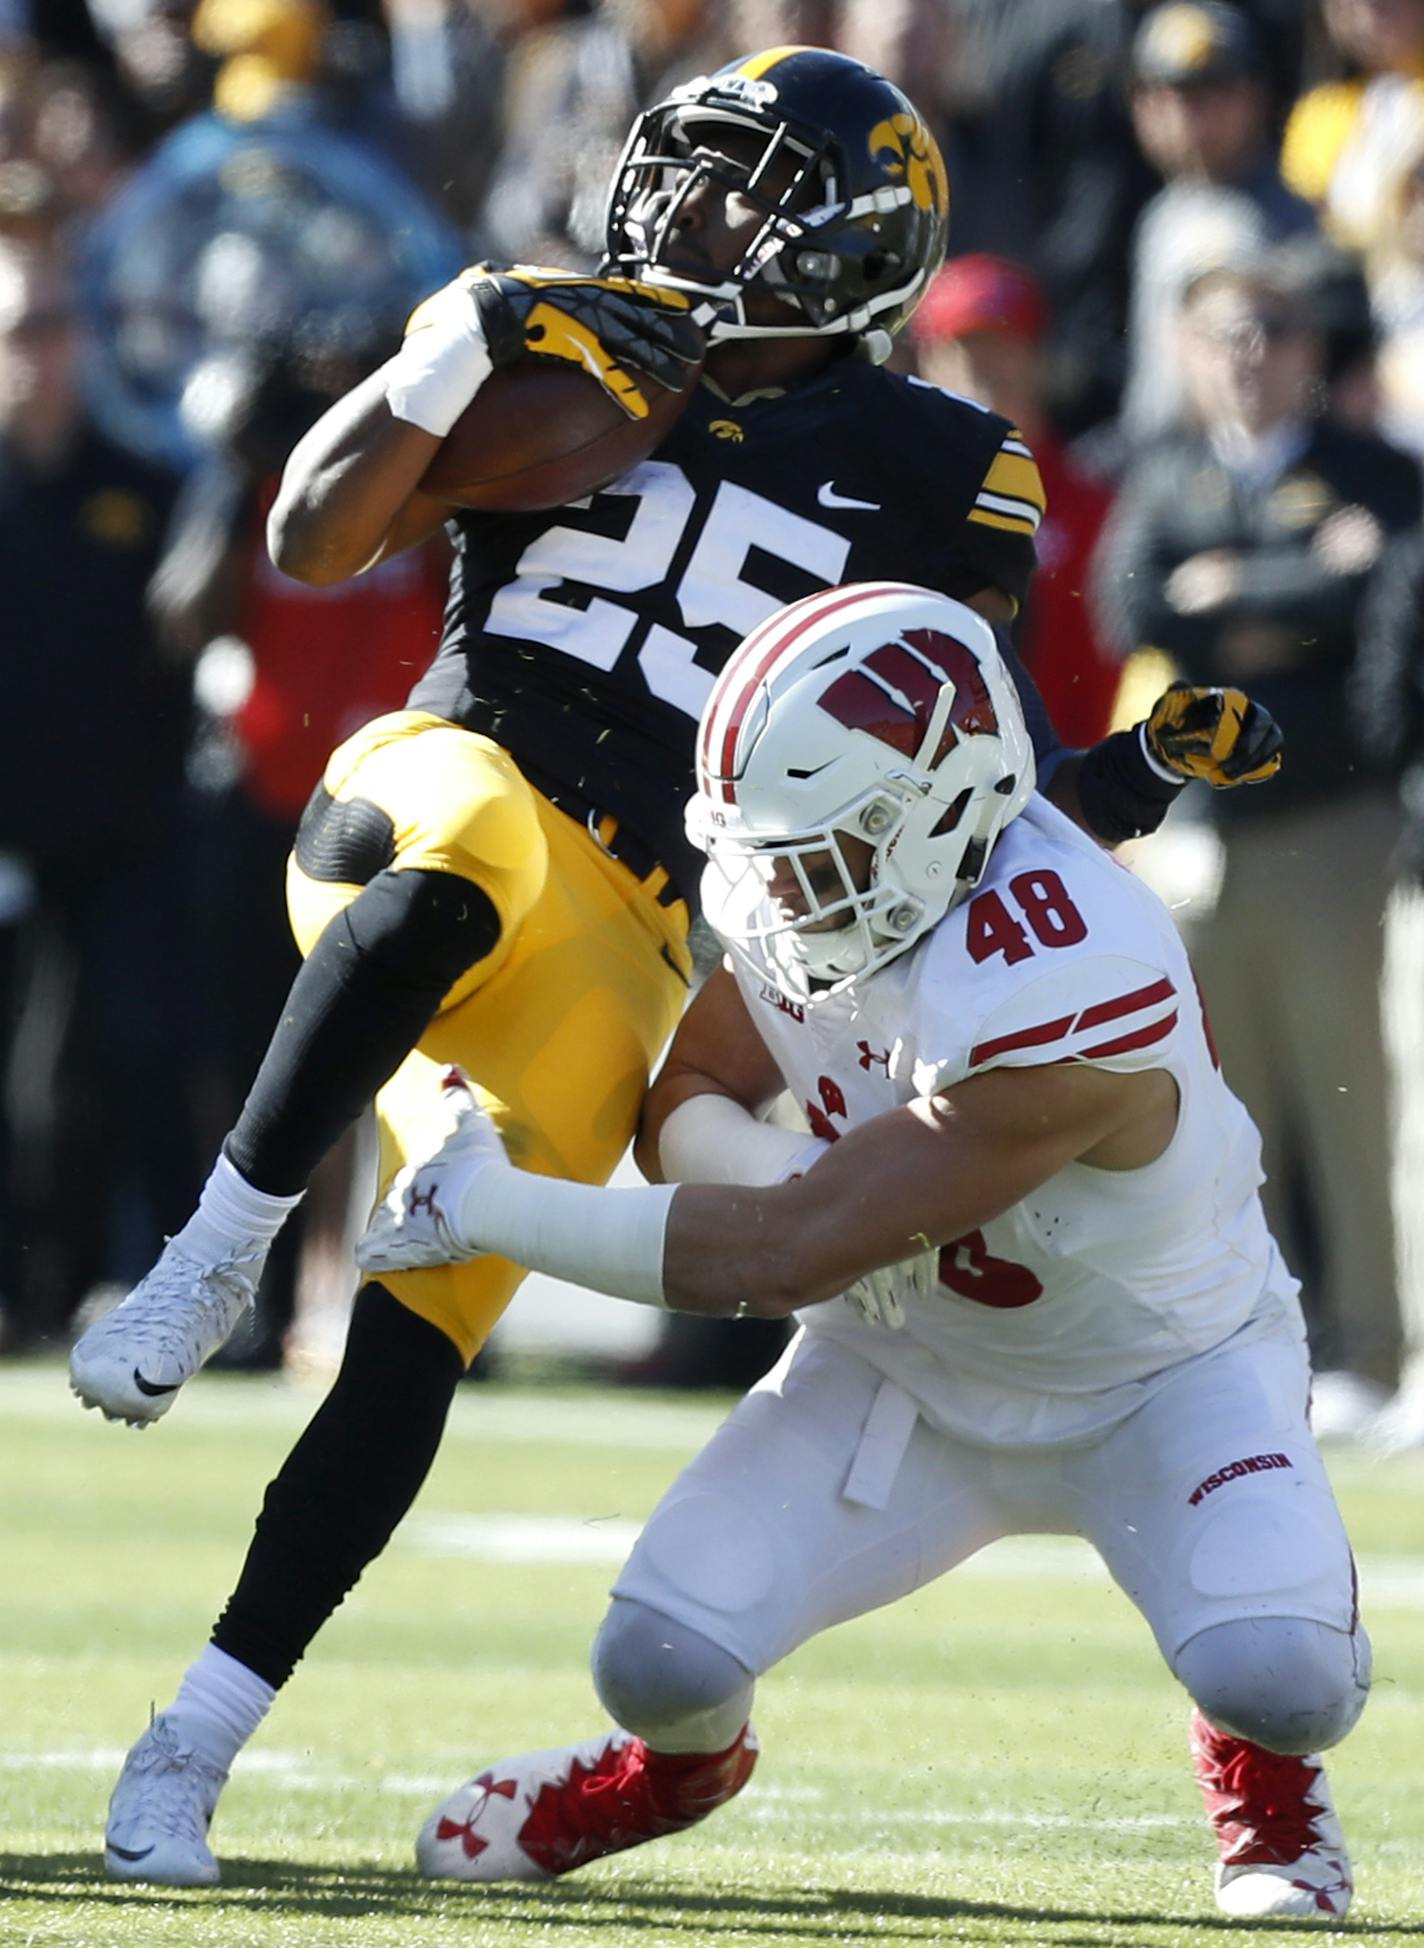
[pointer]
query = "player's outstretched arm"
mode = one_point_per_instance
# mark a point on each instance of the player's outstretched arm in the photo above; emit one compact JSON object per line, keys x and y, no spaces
{"x":913,"y":1179}
{"x":1124,"y":786}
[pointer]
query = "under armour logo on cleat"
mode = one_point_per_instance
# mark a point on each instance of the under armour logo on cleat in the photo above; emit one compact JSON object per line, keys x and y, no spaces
{"x":153,"y":1390}
{"x":464,"y":1830}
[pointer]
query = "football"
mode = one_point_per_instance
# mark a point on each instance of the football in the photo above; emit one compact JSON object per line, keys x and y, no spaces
{"x":540,"y":435}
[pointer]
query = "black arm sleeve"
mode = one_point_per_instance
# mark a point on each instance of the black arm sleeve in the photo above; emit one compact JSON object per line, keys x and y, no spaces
{"x":1120,"y":796}
{"x":1044,"y":738}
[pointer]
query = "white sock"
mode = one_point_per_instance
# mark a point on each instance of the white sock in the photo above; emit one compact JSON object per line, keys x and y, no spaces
{"x":220,"y":1704}
{"x":232,"y":1218}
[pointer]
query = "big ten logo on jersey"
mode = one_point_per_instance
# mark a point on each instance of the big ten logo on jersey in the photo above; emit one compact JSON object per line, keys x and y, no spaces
{"x":783,"y":1004}
{"x":966,"y":1264}
{"x":1044,"y":908}
{"x":681,"y":550}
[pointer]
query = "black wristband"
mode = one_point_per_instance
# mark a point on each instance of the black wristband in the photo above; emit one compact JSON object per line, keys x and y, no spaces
{"x":1120,"y":795}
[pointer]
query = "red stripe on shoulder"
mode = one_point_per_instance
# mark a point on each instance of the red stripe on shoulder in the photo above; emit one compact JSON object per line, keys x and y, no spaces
{"x":1046,"y":1031}
{"x":1129,"y":1004}
{"x":1140,"y":1038}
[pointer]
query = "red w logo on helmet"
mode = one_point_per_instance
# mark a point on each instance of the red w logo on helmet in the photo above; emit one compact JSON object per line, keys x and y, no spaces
{"x":893,"y":692}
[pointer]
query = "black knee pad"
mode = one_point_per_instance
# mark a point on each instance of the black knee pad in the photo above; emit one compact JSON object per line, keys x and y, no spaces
{"x":346,"y":841}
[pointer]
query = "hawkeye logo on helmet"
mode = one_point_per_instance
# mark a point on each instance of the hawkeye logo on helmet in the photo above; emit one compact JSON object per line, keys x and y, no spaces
{"x":904,"y":147}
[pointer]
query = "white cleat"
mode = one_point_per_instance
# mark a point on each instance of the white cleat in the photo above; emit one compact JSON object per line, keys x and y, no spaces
{"x":546,"y":1813}
{"x":1282,"y":1851}
{"x":160,"y":1811}
{"x":131,"y":1363}
{"x":475,"y":1833}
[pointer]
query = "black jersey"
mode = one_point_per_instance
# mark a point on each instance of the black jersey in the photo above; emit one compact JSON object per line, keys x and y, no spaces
{"x":585,"y":641}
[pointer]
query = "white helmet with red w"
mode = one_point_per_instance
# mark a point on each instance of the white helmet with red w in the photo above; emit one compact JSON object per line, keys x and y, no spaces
{"x":881,"y":714}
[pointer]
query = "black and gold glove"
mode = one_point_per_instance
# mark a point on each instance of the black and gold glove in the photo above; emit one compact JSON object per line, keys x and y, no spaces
{"x":1219,"y":736}
{"x":624,"y":334}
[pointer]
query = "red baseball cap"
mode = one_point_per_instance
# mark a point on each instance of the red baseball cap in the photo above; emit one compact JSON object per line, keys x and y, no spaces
{"x":981,"y":293}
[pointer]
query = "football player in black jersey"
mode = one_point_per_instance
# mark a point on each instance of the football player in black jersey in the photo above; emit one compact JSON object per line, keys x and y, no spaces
{"x":497,"y":876}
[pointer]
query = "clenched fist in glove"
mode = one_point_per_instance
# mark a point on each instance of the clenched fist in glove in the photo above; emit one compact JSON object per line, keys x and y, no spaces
{"x":1217,"y":735}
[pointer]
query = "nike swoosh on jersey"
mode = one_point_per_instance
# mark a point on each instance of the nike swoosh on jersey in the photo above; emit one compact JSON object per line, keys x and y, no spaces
{"x":827,"y":496}
{"x":151,"y":1388}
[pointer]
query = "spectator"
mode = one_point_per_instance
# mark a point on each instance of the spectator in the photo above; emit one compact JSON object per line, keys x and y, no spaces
{"x":242,"y":223}
{"x":1389,"y":700}
{"x":573,"y":87}
{"x":1241,"y":545}
{"x":980,"y":331}
{"x":1201,"y":110}
{"x":95,"y":1056}
{"x":1059,"y":182}
{"x":1345,"y":139}
{"x":1395,"y":266}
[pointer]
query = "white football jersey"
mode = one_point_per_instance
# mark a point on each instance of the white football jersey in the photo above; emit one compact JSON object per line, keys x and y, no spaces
{"x":1052,"y":1322}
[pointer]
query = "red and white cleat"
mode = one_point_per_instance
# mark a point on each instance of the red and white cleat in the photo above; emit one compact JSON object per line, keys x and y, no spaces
{"x":546,"y":1813}
{"x":1282,"y":1851}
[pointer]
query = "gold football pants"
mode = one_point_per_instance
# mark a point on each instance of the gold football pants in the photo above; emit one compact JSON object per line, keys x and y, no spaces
{"x":559,"y":1027}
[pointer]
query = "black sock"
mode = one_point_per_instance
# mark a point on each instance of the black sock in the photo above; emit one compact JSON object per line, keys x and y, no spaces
{"x":363,"y":998}
{"x":345,"y":1485}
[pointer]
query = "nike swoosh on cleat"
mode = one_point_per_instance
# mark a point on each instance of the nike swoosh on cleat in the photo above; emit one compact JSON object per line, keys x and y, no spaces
{"x":827,"y":496}
{"x":151,"y":1388}
{"x":125,"y":1853}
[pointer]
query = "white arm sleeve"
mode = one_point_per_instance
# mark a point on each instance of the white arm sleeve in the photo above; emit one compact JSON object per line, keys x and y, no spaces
{"x":608,"y":1240}
{"x":710,"y":1139}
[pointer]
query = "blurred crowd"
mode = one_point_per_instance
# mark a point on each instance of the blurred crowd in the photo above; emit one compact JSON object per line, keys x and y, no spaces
{"x":1186,"y":258}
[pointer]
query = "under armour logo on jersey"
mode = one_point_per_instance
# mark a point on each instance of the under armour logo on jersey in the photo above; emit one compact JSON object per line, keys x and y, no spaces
{"x":869,"y":1055}
{"x":894,"y":694}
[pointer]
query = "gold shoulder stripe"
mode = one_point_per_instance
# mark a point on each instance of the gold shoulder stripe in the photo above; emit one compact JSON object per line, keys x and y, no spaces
{"x":758,"y":65}
{"x":1015,"y":474}
{"x":1004,"y":521}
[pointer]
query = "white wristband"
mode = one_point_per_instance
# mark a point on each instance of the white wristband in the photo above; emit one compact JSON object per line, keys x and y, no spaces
{"x":1154,"y":763}
{"x":441,"y":364}
{"x":608,"y":1240}
{"x":710,"y":1139}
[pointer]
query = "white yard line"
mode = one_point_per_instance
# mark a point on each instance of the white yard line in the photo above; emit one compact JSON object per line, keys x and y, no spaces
{"x":294,"y":1772}
{"x":1386,"y":1582}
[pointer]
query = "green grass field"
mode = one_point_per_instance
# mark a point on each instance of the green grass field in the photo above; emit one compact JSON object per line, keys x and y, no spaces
{"x":1000,"y":1760}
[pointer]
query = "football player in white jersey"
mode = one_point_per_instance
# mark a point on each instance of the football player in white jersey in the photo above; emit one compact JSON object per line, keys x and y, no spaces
{"x":1023,"y":1234}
